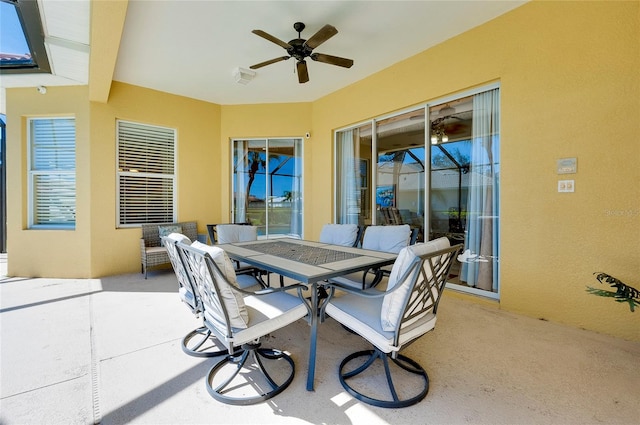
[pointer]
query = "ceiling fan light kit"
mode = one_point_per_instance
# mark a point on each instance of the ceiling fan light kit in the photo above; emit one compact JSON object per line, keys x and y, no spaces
{"x":300,"y":49}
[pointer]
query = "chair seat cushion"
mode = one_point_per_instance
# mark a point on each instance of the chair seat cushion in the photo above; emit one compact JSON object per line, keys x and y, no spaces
{"x":248,"y":282}
{"x":155,"y":250}
{"x":268,"y":313}
{"x":339,"y":234}
{"x":354,"y":280}
{"x":362,"y":315}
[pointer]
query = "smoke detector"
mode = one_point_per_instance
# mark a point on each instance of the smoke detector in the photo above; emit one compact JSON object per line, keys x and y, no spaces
{"x":243,"y":75}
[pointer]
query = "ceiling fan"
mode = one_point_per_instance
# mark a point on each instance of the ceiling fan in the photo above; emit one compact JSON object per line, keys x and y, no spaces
{"x":300,"y":49}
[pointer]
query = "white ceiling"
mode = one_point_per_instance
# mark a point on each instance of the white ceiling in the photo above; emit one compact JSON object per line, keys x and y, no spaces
{"x":191,"y":47}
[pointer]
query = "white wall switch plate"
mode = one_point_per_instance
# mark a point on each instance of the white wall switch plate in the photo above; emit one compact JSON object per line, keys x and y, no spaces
{"x":566,"y":186}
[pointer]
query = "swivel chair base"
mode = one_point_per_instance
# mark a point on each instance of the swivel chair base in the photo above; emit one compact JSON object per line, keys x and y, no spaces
{"x":242,"y":376}
{"x":200,"y":343}
{"x":410,"y":370}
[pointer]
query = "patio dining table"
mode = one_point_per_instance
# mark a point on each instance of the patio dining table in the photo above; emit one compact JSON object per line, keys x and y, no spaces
{"x":310,"y":263}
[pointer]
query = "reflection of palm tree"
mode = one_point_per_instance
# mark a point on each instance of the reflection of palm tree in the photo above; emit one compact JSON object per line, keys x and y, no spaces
{"x":255,"y":161}
{"x":287,"y":195}
{"x":448,"y":156}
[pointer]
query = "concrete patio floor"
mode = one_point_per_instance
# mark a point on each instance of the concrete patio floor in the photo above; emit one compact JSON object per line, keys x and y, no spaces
{"x":83,"y":351}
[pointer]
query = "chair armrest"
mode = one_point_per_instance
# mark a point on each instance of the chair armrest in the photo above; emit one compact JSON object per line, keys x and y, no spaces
{"x":367,"y":293}
{"x":378,"y":273}
{"x":270,"y":290}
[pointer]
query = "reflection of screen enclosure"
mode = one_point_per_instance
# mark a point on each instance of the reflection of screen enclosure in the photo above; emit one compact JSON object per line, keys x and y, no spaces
{"x":436,"y":169}
{"x":385,"y":196}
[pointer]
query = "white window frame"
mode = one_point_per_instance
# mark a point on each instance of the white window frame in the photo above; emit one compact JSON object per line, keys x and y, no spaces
{"x":44,"y":194}
{"x":267,"y":141}
{"x":152,"y":161}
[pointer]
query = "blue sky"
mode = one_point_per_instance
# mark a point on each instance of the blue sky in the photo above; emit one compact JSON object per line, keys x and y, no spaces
{"x":12,"y":38}
{"x":280,"y":182}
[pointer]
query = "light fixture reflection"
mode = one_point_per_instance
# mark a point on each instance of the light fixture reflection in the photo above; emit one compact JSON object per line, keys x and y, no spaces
{"x":438,"y":134}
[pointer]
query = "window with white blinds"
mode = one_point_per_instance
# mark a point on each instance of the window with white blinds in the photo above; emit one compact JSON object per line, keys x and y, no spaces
{"x":146,"y":174}
{"x":52,"y":173}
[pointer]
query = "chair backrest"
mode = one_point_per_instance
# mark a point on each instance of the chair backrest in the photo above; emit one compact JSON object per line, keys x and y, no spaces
{"x":232,"y":232}
{"x":211,"y":269}
{"x":341,"y":234}
{"x":414,"y":235}
{"x":415,"y":285}
{"x":386,"y":238}
{"x":152,"y":233}
{"x":186,"y":287}
{"x":391,"y":215}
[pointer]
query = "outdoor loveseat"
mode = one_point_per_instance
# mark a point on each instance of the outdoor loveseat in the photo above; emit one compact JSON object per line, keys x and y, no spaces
{"x":152,"y":253}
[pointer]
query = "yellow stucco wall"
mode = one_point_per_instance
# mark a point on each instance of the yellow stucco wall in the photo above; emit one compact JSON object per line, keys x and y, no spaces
{"x":96,"y":247}
{"x":198,"y":141}
{"x":570,"y":87}
{"x":59,"y":253}
{"x":261,"y":121}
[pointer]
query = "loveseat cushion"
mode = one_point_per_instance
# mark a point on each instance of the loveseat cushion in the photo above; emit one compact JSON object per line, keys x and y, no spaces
{"x":167,"y":230}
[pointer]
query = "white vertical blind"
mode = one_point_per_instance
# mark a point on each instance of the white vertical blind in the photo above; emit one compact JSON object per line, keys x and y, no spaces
{"x":146,"y":174}
{"x":52,"y":172}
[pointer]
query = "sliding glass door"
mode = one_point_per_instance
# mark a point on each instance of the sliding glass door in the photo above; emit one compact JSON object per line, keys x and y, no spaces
{"x":442,"y":179}
{"x":465,"y":170}
{"x":400,"y":170}
{"x":267,"y":185}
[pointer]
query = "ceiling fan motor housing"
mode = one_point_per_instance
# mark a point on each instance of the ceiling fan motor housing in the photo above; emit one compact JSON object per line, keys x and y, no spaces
{"x":298,"y":49}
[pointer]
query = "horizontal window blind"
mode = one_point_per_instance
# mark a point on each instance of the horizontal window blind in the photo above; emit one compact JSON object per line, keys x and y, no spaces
{"x":146,"y":174}
{"x":52,"y":176}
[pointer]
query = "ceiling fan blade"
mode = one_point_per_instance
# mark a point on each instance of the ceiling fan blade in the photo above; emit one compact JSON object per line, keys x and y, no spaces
{"x":321,"y":36}
{"x":271,"y":38}
{"x":303,"y":72}
{"x":332,"y":60}
{"x":269,"y":62}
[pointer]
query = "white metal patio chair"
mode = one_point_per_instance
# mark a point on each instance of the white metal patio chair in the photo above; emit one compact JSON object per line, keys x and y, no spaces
{"x":238,"y":232}
{"x":390,"y":320}
{"x":239,"y":319}
{"x":199,"y":342}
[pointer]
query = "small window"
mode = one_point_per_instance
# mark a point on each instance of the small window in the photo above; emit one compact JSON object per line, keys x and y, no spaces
{"x":21,"y":38}
{"x":52,"y":173}
{"x":146,"y":174}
